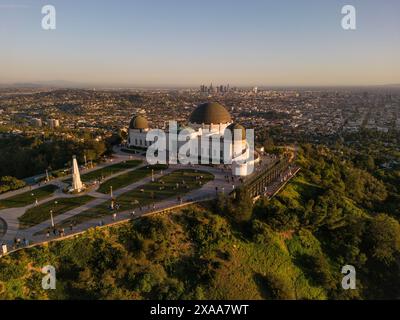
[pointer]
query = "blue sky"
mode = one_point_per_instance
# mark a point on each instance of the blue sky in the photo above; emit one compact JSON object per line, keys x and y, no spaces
{"x":187,"y":42}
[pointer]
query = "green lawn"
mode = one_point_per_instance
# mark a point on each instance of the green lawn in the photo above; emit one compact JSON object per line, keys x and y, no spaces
{"x":110,"y":170}
{"x":243,"y":276}
{"x":126,"y":179}
{"x":59,"y":206}
{"x":148,"y":194}
{"x":27,"y":198}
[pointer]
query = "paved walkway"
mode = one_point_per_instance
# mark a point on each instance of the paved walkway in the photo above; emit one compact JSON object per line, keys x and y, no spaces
{"x":207,"y":191}
{"x":101,"y":198}
{"x":11,"y":215}
{"x":119,"y":157}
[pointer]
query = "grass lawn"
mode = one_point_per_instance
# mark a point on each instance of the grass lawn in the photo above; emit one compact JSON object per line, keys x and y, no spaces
{"x":110,"y":170}
{"x":27,"y":198}
{"x":128,"y":178}
{"x":243,"y":276}
{"x":148,"y":194}
{"x":59,"y":206}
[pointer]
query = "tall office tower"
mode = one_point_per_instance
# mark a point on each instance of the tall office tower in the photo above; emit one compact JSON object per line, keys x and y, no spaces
{"x":54,"y":123}
{"x":37,"y":122}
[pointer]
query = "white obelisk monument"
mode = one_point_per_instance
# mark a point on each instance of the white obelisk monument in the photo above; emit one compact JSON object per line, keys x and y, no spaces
{"x":77,"y":185}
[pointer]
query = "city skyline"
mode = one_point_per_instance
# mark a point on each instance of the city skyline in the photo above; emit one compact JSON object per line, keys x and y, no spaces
{"x":252,"y":43}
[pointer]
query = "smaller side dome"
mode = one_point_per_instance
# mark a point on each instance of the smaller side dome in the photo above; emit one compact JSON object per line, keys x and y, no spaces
{"x":139,"y":122}
{"x":236,"y":126}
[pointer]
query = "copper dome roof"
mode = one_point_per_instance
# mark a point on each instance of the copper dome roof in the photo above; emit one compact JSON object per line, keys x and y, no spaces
{"x":139,"y":122}
{"x":210,"y":113}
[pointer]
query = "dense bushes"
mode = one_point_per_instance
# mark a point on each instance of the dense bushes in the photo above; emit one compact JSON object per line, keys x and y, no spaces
{"x":318,"y":270}
{"x":290,"y":247}
{"x":239,"y":209}
{"x":8,"y":183}
{"x":23,"y":157}
{"x":342,"y":214}
{"x":278,"y":288}
{"x":382,"y":239}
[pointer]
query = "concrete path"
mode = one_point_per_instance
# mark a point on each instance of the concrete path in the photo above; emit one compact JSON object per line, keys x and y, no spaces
{"x":11,"y":215}
{"x":101,"y":198}
{"x":119,"y":157}
{"x":208,"y":191}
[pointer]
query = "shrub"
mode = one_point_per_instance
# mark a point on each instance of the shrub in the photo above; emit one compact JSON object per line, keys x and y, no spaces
{"x":278,"y":288}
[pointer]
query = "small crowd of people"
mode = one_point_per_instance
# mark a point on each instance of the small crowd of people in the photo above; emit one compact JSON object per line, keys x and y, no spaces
{"x":60,"y":231}
{"x":229,"y":178}
{"x":56,"y":232}
{"x":18,"y":243}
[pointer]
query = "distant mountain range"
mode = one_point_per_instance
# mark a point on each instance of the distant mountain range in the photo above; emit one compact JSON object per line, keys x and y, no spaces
{"x":41,"y":84}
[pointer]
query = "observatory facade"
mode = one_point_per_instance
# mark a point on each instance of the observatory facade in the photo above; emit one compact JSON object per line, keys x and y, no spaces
{"x":217,"y":138}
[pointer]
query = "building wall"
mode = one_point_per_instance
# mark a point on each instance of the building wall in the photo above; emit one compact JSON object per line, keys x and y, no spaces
{"x":236,"y":154}
{"x":137,"y":138}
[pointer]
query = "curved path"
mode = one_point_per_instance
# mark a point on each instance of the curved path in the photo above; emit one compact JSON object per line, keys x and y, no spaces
{"x":206,"y":192}
{"x":117,"y":158}
{"x":11,"y":215}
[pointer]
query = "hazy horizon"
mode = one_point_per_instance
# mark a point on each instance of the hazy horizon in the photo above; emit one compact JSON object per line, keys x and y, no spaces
{"x":59,"y":84}
{"x":184,"y":44}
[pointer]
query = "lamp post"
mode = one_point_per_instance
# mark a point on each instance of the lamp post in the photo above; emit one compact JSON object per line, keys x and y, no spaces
{"x":152,"y":175}
{"x":51,"y":217}
{"x":112,"y":198}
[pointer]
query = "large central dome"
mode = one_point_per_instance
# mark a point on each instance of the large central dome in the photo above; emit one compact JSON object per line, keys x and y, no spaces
{"x":210,"y":113}
{"x":138,"y":122}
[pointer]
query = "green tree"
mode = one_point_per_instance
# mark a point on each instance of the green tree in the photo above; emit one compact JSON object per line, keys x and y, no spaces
{"x":382,"y":238}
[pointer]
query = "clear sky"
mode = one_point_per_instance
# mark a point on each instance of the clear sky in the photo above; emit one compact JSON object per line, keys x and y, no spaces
{"x":190,"y":42}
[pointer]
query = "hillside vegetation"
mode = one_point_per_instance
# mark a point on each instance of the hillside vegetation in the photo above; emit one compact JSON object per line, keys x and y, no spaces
{"x":292,"y":247}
